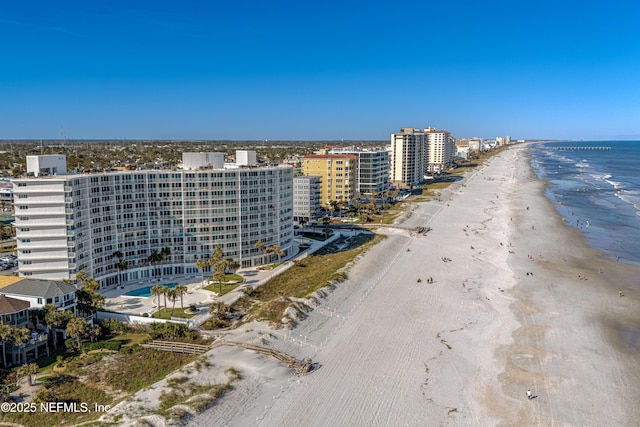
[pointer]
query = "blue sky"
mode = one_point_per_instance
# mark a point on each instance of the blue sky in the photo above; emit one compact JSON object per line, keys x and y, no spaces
{"x":319,"y":70}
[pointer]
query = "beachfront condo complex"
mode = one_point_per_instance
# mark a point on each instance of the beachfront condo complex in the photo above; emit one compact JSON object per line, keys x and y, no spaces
{"x":139,"y":224}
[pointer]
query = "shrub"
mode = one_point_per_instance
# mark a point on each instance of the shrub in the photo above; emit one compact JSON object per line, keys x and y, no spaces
{"x":170,"y":330}
{"x":107,"y":345}
{"x":114,"y":326}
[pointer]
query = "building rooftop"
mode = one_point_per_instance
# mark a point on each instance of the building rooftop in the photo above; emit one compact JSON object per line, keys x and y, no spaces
{"x":331,"y":156}
{"x":37,"y":288}
{"x":10,"y":305}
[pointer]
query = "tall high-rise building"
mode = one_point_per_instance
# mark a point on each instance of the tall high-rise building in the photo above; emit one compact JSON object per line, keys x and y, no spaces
{"x":109,"y":224}
{"x":441,"y":150}
{"x":408,"y":156}
{"x":337,"y":174}
{"x":306,"y":198}
{"x":373,"y":170}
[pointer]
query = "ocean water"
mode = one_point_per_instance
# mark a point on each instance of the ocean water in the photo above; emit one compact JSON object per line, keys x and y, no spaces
{"x":597,"y":191}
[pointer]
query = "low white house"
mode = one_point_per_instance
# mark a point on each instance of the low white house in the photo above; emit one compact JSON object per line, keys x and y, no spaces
{"x":41,"y":292}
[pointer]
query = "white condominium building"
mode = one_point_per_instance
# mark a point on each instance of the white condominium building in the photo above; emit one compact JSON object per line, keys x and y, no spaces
{"x":373,"y":170}
{"x":111,"y":224}
{"x":408,"y":156}
{"x":306,"y":198}
{"x":441,"y":150}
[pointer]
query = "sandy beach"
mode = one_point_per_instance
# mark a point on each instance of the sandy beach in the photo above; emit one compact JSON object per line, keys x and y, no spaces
{"x":510,"y":298}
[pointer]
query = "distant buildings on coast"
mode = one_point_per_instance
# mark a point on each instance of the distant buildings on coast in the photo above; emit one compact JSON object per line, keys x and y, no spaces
{"x":122,"y":225}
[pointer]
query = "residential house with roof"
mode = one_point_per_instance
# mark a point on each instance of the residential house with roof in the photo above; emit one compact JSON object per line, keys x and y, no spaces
{"x":38,"y":293}
{"x":14,"y":311}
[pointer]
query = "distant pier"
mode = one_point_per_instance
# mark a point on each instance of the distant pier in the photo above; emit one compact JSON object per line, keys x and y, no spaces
{"x":575,"y":148}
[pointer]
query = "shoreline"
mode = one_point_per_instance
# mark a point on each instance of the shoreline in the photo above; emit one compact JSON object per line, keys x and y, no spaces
{"x":464,"y":349}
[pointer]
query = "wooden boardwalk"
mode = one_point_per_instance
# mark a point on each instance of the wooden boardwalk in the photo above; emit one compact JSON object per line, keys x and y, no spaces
{"x":301,"y":366}
{"x":177,"y":347}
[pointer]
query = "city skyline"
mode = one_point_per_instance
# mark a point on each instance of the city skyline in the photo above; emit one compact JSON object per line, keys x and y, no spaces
{"x":295,"y":71}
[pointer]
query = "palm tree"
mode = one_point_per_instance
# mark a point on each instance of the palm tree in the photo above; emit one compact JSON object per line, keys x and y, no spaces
{"x":5,"y":334}
{"x":122,"y":264}
{"x":28,"y":370}
{"x":154,"y":258}
{"x":157,"y":291}
{"x":81,"y":276}
{"x":89,"y":302}
{"x":216,"y":256}
{"x":276,"y":250}
{"x":94,"y":333}
{"x":224,"y":265}
{"x":259,"y":245}
{"x":165,"y":253}
{"x":333,"y":206}
{"x":77,"y":327}
{"x":54,"y":319}
{"x":18,"y":337}
{"x":180,"y":291}
{"x":164,"y":291}
{"x":172,"y":294}
{"x":201,"y":265}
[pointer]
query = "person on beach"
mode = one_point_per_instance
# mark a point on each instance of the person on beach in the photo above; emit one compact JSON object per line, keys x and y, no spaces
{"x":620,"y":293}
{"x":529,"y":395}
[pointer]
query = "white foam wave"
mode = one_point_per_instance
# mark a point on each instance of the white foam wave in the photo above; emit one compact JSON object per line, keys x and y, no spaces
{"x":583,"y":164}
{"x":631,"y":197}
{"x":617,"y":185}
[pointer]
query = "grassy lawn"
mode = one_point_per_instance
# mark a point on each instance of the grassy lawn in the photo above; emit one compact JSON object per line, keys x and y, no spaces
{"x":226,"y":288}
{"x":304,"y":278}
{"x":168,"y":314}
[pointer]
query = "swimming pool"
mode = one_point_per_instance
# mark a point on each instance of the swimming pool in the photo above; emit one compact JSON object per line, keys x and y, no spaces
{"x":146,"y":291}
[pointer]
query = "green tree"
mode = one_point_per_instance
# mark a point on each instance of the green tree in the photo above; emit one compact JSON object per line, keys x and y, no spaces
{"x":5,"y":335}
{"x":180,"y":291}
{"x":154,"y":258}
{"x":18,"y":337}
{"x":94,"y":333}
{"x":221,"y":267}
{"x":56,"y":319}
{"x":77,"y":328}
{"x":275,"y":249}
{"x":259,"y":245}
{"x":157,"y":290}
{"x":164,"y":291}
{"x":172,"y":295}
{"x":121,"y":264}
{"x":201,"y":265}
{"x":88,"y":302}
{"x":216,"y":256}
{"x":28,"y":370}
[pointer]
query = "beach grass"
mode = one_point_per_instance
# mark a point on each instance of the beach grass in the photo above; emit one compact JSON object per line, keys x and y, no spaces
{"x":269,"y":301}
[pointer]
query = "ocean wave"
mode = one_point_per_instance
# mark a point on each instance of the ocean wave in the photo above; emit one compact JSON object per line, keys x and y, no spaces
{"x":617,"y":185}
{"x":631,"y":197}
{"x":583,"y":164}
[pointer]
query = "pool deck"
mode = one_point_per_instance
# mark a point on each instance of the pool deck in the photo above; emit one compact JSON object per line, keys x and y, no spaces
{"x":116,"y":300}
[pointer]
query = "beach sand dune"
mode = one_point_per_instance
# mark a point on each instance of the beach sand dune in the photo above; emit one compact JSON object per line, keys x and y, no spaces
{"x":509,"y":299}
